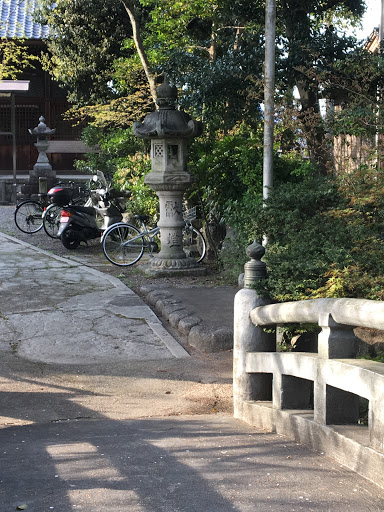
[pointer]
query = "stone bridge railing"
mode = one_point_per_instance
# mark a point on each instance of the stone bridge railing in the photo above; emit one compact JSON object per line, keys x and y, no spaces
{"x":313,"y":398}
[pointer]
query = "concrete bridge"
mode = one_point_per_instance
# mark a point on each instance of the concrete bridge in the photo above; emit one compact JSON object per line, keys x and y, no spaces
{"x":313,"y":398}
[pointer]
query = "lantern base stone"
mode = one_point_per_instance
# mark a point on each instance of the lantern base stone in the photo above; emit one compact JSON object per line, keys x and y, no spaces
{"x":167,"y":270}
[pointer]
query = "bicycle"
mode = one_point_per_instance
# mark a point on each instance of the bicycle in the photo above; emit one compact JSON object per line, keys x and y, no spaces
{"x":31,"y":216}
{"x":123,"y":244}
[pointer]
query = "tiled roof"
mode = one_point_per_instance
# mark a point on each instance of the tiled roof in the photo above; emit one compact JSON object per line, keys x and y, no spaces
{"x":16,"y":20}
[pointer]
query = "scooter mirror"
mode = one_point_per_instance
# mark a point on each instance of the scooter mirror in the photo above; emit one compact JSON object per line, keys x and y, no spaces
{"x":101,"y":178}
{"x":95,"y":178}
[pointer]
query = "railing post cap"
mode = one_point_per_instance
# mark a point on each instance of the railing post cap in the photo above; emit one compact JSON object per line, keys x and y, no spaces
{"x":255,"y":269}
{"x":255,"y":251}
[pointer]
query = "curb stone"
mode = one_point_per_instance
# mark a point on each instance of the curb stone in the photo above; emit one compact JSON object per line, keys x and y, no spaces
{"x":166,"y":308}
{"x":186,"y":324}
{"x":210,"y":340}
{"x":155,"y":295}
{"x":175,"y":317}
{"x":203,"y":334}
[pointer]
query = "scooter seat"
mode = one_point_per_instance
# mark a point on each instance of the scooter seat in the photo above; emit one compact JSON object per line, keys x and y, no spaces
{"x":86,"y":209}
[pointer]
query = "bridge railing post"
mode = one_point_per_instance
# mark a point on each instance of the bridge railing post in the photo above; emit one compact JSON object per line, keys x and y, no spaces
{"x":248,"y":338}
{"x":376,"y":422}
{"x":336,"y":341}
{"x":332,"y":405}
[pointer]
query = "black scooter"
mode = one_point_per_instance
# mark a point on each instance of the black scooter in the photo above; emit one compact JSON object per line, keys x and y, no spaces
{"x":82,"y":223}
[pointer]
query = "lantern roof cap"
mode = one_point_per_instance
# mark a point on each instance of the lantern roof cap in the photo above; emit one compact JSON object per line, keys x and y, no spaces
{"x":41,"y":130}
{"x":166,"y":95}
{"x":167,"y":121}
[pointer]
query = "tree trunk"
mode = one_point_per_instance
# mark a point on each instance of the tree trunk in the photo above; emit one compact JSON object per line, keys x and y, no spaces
{"x":314,"y":129}
{"x":310,"y":118}
{"x":213,"y":47}
{"x":130,"y":8}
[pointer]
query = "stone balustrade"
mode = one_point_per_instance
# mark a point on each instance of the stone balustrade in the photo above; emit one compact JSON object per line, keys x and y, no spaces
{"x":313,"y":398}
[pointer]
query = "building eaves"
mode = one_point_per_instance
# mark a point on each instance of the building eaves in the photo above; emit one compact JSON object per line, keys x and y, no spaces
{"x":372,"y":42}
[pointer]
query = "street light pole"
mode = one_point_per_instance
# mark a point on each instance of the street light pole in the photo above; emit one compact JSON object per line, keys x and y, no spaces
{"x":269,"y":99}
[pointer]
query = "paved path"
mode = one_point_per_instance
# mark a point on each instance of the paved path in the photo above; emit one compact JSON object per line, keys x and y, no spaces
{"x":193,"y":464}
{"x":93,"y":414}
{"x":59,"y":311}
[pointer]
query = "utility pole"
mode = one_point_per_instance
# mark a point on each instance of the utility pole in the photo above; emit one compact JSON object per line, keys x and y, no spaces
{"x":269,"y":94}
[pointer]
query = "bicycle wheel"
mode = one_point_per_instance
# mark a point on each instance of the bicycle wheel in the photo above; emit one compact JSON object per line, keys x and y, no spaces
{"x":29,"y":216}
{"x":51,"y":220}
{"x":123,"y":244}
{"x":194,"y":244}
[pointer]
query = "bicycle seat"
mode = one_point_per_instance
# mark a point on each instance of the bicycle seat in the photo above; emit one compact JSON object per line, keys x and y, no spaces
{"x":142,"y":218}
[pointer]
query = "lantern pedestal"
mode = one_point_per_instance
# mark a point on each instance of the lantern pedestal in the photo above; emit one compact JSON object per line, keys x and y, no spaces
{"x":171,"y":259}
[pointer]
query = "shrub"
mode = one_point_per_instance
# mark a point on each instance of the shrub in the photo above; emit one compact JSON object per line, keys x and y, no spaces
{"x":323,"y":241}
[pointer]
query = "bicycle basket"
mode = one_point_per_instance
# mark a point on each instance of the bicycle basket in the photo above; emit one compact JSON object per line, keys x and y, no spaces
{"x":189,"y":214}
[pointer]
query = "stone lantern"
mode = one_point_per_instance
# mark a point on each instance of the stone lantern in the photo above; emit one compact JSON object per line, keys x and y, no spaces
{"x":169,"y":129}
{"x":42,"y":172}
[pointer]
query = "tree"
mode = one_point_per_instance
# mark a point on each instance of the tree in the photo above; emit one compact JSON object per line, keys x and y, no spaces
{"x":312,"y":44}
{"x":354,"y":84}
{"x":133,"y":14}
{"x":14,"y":58}
{"x":88,"y":37}
{"x":214,"y":52}
{"x":93,"y":42}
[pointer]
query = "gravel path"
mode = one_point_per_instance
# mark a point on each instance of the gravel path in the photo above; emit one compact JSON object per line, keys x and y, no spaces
{"x":92,"y":255}
{"x":39,"y":239}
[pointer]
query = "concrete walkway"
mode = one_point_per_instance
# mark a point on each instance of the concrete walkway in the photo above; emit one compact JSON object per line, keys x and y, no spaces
{"x":93,"y":417}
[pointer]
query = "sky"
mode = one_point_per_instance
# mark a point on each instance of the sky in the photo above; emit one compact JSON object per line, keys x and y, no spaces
{"x":371,"y":18}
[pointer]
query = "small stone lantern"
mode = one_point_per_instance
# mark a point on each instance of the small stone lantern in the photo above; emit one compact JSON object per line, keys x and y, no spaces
{"x":42,"y":166}
{"x":42,"y":176}
{"x":169,"y":130}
